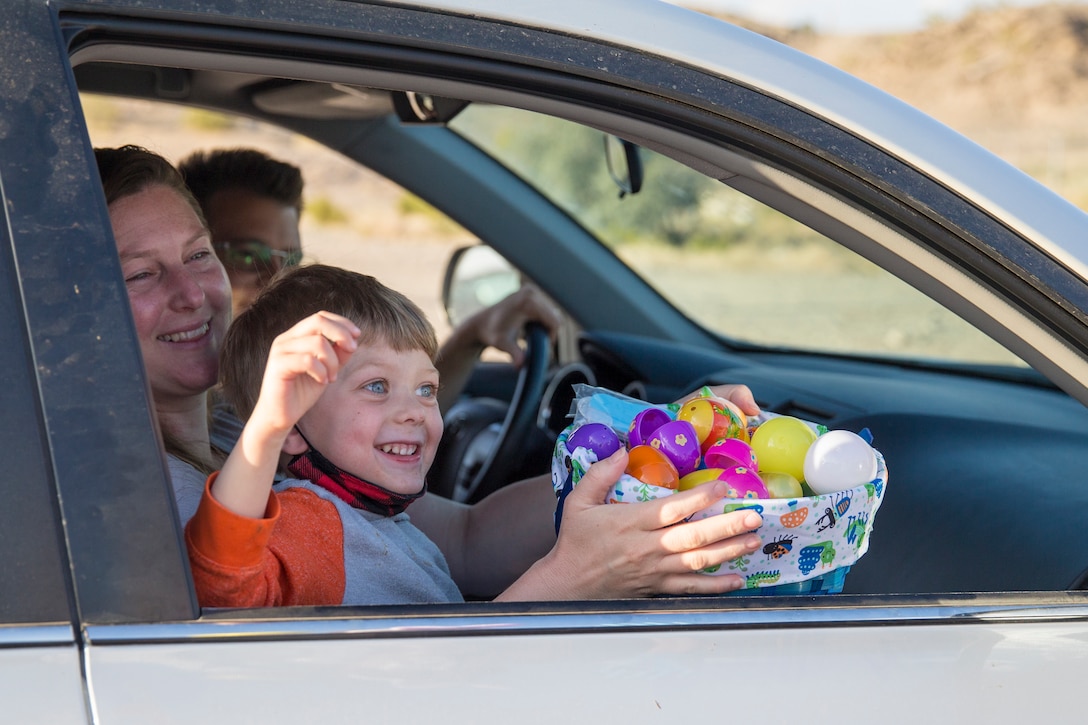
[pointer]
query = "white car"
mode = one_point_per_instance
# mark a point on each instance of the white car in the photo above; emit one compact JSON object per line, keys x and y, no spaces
{"x":706,"y":206}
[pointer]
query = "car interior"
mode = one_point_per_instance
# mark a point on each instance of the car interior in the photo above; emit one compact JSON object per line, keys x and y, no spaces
{"x":983,"y":456}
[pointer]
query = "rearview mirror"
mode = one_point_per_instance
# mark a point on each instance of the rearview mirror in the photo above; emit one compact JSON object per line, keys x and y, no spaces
{"x":477,"y":277}
{"x":624,"y":164}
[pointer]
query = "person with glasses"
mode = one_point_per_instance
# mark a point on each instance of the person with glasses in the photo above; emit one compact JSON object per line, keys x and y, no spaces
{"x":252,"y":204}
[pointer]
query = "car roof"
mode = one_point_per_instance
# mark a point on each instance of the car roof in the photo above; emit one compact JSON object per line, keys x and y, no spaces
{"x":701,"y":41}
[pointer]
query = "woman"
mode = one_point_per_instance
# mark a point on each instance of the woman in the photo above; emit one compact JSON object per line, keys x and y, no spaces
{"x":181,"y":302}
{"x":180,"y":299}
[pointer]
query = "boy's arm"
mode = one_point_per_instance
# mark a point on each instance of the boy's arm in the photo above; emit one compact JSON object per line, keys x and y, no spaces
{"x":301,"y":362}
{"x":243,"y":562}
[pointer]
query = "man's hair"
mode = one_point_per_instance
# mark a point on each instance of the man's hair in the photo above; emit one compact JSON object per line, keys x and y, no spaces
{"x":207,"y":172}
{"x":128,"y":170}
{"x":382,"y":314}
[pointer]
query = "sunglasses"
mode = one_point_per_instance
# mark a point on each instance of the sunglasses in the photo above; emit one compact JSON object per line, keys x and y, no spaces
{"x":252,"y":255}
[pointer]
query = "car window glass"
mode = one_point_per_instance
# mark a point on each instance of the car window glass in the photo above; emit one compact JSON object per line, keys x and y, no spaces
{"x":731,"y":263}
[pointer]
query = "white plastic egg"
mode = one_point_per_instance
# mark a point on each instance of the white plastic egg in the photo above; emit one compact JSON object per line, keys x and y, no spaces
{"x":838,"y":460}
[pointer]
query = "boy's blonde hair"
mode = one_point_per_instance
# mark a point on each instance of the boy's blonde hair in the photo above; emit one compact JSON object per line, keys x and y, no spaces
{"x":382,"y":314}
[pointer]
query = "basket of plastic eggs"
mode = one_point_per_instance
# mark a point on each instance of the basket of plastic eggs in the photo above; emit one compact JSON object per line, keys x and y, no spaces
{"x":818,"y":490}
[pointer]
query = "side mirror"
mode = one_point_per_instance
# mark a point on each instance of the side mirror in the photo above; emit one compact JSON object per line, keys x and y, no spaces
{"x":476,"y":277}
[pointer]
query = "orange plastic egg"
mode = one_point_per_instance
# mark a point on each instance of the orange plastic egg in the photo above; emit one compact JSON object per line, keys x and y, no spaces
{"x":651,"y":466}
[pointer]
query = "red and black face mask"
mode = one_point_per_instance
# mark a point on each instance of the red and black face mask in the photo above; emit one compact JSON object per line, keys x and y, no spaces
{"x":358,"y":493}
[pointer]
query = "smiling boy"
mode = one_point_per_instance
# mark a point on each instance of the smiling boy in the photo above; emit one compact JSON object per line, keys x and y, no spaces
{"x":358,"y":389}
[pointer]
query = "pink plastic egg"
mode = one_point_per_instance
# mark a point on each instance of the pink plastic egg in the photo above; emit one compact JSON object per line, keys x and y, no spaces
{"x":679,"y":442}
{"x":729,"y":453}
{"x":595,"y":437}
{"x":743,"y":482}
{"x":644,"y":425}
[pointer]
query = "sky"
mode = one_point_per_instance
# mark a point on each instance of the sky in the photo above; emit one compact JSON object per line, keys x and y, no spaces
{"x":853,"y":16}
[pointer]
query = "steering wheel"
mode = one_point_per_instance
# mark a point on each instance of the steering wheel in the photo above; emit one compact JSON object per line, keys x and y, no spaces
{"x":520,"y":418}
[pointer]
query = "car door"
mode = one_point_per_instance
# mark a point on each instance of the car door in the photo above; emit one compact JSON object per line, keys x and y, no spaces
{"x":129,"y":630}
{"x":41,"y":676}
{"x":83,"y":532}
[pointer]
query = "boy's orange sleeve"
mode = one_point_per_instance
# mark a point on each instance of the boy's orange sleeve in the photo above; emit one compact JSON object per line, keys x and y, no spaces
{"x":292,"y":556}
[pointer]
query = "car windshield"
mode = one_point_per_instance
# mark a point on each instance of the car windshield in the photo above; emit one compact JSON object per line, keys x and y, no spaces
{"x":739,"y":268}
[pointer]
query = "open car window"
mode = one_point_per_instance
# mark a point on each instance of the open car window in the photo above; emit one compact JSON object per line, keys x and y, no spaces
{"x":726,"y":265}
{"x":740,"y":268}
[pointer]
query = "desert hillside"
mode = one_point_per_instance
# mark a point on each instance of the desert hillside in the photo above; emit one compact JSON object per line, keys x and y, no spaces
{"x":1013,"y":79}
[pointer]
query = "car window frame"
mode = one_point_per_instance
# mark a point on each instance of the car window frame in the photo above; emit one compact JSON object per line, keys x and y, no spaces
{"x":446,"y":35}
{"x":34,"y":563}
{"x":118,"y":523}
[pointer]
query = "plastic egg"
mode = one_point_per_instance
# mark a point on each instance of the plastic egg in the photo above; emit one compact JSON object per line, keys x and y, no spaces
{"x":743,"y":482}
{"x":700,"y":413}
{"x":643,"y":426}
{"x":730,"y":452}
{"x":838,"y":460}
{"x":677,"y":440}
{"x":651,"y":466}
{"x":727,"y":423}
{"x":698,"y":478}
{"x":781,"y":444}
{"x":781,"y":485}
{"x":595,"y":437}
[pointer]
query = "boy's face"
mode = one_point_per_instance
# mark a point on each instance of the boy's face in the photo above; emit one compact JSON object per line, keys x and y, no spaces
{"x":380,"y":419}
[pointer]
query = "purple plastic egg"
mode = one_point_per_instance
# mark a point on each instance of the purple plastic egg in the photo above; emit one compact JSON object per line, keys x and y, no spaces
{"x":595,"y":437}
{"x":678,"y":440}
{"x":644,"y":425}
{"x":729,"y":453}
{"x":743,"y":482}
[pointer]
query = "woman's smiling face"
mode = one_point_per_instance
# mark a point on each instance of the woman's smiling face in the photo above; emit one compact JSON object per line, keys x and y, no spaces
{"x":177,"y":288}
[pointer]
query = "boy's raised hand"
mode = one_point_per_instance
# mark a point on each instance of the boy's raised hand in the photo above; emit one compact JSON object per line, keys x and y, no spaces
{"x":301,"y":363}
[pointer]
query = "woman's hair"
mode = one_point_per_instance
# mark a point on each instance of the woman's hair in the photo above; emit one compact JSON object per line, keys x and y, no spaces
{"x":296,"y":293}
{"x":207,"y":172}
{"x":128,"y":170}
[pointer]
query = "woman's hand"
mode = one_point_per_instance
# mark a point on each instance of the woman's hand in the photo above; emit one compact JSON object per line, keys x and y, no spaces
{"x":738,"y":397}
{"x":638,"y":549}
